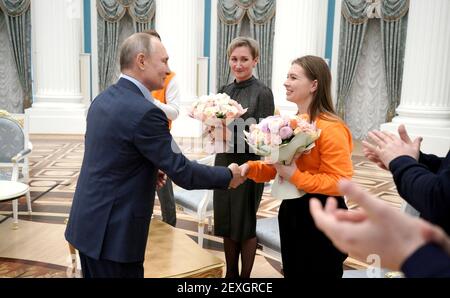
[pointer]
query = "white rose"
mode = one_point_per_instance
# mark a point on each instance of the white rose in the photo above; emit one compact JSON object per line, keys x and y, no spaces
{"x":233,"y":110}
{"x":223,"y":101}
{"x":200,"y":107}
{"x":210,"y":111}
{"x":223,"y":96}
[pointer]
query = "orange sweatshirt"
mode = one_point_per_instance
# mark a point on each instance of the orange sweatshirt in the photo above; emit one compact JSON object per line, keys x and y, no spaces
{"x":320,"y":170}
{"x":161,"y":93}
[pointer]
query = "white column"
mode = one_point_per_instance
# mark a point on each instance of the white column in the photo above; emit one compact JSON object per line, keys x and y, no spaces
{"x":56,"y":43}
{"x":336,"y":38}
{"x":177,"y":23}
{"x":425,"y":101}
{"x":94,"y":48}
{"x":213,"y":48}
{"x":180,"y":24}
{"x":300,"y":29}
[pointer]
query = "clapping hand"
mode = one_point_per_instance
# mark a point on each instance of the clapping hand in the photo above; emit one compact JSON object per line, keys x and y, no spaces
{"x":161,"y":179}
{"x":375,"y":229}
{"x":237,"y":178}
{"x":371,"y":154}
{"x":389,"y":146}
{"x":415,"y":145}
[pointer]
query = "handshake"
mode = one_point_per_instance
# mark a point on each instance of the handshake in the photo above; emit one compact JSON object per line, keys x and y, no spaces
{"x":239,"y":174}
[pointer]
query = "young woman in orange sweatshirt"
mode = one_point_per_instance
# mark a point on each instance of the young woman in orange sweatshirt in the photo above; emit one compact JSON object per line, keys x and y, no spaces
{"x":305,"y":250}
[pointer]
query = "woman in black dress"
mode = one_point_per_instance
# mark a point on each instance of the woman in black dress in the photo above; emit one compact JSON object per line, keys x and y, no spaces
{"x":235,"y":209}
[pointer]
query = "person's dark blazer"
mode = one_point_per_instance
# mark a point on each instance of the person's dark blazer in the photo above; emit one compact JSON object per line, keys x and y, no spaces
{"x":127,"y":140}
{"x":425,"y":184}
{"x":429,"y":260}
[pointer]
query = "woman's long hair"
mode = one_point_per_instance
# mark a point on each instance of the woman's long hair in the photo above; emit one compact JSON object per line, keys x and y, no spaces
{"x":316,"y":68}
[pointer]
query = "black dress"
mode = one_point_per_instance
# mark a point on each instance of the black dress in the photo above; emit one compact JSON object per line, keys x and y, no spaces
{"x":235,"y":209}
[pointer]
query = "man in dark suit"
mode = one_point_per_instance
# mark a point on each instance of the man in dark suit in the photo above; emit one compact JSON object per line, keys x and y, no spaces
{"x":402,"y":242}
{"x":127,"y":141}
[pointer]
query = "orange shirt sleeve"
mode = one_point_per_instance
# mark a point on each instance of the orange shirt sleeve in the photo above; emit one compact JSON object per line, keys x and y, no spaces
{"x":335,"y":162}
{"x":260,"y":172}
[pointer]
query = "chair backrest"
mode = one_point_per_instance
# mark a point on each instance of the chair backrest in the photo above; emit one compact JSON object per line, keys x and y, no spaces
{"x":198,"y":201}
{"x":208,"y":160}
{"x":12,"y":139}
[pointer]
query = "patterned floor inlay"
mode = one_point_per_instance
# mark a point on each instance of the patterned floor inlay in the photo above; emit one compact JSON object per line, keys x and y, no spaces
{"x":22,"y":268}
{"x":54,"y":168}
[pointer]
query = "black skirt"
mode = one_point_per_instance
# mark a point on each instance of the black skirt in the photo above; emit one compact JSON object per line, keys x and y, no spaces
{"x":235,"y":209}
{"x":305,"y":250}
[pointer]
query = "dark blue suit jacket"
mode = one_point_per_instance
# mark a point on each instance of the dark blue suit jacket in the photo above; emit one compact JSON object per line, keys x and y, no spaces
{"x":425,"y":185}
{"x":427,"y":261}
{"x":127,"y":140}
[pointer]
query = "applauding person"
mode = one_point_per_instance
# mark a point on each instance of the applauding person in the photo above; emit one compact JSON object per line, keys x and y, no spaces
{"x":423,"y":180}
{"x":402,"y":242}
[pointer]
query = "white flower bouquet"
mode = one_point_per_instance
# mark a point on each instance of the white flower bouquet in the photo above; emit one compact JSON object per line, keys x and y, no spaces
{"x":216,"y":111}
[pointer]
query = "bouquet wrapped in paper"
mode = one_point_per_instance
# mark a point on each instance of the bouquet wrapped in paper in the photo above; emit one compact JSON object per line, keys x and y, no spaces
{"x":216,"y":111}
{"x":279,"y":139}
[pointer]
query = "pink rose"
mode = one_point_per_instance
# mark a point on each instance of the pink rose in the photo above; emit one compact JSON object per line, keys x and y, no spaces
{"x":286,"y":132}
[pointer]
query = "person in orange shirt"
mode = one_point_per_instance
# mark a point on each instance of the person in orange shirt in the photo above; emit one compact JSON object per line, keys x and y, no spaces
{"x":305,"y":250}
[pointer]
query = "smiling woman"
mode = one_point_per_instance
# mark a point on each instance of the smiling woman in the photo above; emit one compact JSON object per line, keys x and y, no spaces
{"x":244,"y":55}
{"x":235,"y":210}
{"x":308,"y":85}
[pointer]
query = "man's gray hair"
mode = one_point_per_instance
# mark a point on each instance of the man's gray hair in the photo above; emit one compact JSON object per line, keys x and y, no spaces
{"x":132,"y":46}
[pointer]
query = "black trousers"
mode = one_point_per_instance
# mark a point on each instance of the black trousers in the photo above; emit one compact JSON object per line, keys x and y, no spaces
{"x":305,"y":250}
{"x":167,"y":202}
{"x":92,"y":268}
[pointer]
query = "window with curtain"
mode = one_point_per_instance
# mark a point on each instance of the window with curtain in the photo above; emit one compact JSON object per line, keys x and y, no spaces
{"x":232,"y":17}
{"x":15,"y":55}
{"x":370,"y":71}
{"x":118,"y":19}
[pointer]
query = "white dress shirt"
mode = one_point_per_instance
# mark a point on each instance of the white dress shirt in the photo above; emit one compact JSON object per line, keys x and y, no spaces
{"x":172,"y":107}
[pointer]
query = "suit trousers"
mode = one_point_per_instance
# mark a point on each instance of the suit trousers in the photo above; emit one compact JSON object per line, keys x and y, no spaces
{"x":305,"y":250}
{"x":92,"y":268}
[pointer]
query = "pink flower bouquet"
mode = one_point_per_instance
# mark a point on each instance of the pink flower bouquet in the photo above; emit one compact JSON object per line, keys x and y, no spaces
{"x":216,"y":111}
{"x":279,"y":139}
